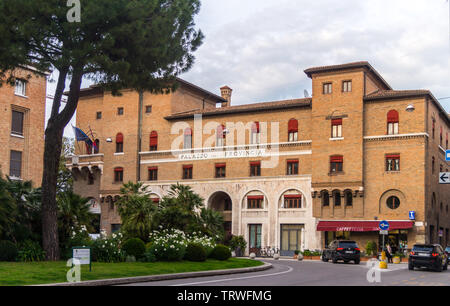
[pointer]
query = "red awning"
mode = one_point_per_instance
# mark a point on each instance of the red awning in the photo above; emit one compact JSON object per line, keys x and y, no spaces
{"x":360,"y":226}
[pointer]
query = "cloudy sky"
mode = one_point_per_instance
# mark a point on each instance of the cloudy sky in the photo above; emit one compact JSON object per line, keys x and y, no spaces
{"x":261,"y":47}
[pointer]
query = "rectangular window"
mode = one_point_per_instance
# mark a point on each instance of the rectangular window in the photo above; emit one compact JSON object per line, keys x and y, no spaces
{"x":17,"y":123}
{"x":20,"y":88}
{"x":120,"y":111}
{"x":255,"y":169}
{"x":292,"y":201}
{"x":336,"y":128}
{"x":346,"y":86}
{"x":327,"y":88}
{"x":393,"y":128}
{"x":187,"y":172}
{"x":336,"y":164}
{"x":99,"y":115}
{"x":292,"y":167}
{"x":293,"y":136}
{"x":118,"y":175}
{"x":220,"y":170}
{"x":148,"y":109}
{"x":255,"y":202}
{"x":393,"y":162}
{"x":153,"y":173}
{"x":15,"y":165}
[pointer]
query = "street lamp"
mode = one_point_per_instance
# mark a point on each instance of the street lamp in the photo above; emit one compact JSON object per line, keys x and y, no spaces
{"x":410,"y":108}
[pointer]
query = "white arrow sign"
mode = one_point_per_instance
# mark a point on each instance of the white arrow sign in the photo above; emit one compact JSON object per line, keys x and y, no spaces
{"x":444,"y":178}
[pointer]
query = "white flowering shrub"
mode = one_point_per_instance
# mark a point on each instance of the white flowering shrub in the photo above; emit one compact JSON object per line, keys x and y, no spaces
{"x":108,"y":249}
{"x":170,"y":245}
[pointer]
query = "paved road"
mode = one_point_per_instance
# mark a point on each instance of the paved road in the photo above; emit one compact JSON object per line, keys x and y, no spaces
{"x":317,"y":273}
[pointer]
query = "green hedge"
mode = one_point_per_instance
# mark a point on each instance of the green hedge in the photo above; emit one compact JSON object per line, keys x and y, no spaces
{"x":221,"y":252}
{"x":8,"y":251}
{"x":195,"y":252}
{"x":134,"y":247}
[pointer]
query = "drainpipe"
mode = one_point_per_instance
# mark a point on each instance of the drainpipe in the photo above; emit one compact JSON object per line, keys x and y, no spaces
{"x":139,"y":140}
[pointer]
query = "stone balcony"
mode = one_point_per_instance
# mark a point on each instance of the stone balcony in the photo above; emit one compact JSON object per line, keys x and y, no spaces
{"x":90,"y":162}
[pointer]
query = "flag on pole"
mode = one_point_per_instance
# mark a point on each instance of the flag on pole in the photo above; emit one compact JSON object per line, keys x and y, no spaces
{"x":81,"y":136}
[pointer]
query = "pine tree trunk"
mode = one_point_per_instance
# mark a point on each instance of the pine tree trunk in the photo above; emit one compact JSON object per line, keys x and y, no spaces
{"x":53,"y":145}
{"x":52,"y":155}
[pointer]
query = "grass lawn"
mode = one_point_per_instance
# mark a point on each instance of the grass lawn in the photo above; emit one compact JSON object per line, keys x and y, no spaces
{"x":20,"y":273}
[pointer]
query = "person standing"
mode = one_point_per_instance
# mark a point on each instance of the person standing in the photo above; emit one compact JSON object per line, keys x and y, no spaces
{"x":389,"y":253}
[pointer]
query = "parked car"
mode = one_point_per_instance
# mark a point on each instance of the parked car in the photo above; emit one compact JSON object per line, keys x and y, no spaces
{"x":345,"y":250}
{"x":431,"y":256}
{"x":447,"y":251}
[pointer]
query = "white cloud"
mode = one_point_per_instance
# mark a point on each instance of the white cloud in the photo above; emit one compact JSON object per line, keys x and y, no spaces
{"x":260,"y":48}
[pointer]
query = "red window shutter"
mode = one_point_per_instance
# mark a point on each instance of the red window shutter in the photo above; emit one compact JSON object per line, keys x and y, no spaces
{"x":255,"y":198}
{"x":293,"y":196}
{"x":152,"y":168}
{"x":187,"y":167}
{"x":119,"y":138}
{"x":155,"y":200}
{"x":220,"y":165}
{"x":336,"y":122}
{"x":337,"y":159}
{"x":153,"y":139}
{"x":293,"y":161}
{"x":255,"y":163}
{"x":118,"y":170}
{"x":220,"y":131}
{"x":293,"y":126}
{"x":393,"y":117}
{"x":255,"y":127}
{"x":393,"y":156}
{"x":188,"y":132}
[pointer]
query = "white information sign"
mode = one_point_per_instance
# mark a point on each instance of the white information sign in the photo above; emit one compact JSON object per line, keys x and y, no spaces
{"x":83,"y":255}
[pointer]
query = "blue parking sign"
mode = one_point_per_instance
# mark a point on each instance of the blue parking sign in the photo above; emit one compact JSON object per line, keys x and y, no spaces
{"x":447,"y":155}
{"x":412,"y":215}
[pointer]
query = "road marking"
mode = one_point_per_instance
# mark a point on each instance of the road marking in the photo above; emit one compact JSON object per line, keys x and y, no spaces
{"x":238,"y":278}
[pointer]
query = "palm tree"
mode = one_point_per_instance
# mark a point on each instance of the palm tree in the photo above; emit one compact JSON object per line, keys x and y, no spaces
{"x":7,"y":207}
{"x":212,"y":222}
{"x":73,"y":213}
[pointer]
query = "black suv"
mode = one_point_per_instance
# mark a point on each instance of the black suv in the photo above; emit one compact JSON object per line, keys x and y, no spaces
{"x":342,"y":250}
{"x":431,"y":256}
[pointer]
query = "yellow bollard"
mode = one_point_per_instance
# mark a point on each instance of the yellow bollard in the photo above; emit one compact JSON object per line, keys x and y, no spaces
{"x":383,"y":256}
{"x":383,"y":265}
{"x":397,"y":260}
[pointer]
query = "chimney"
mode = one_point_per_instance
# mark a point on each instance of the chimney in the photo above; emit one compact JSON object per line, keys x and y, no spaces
{"x":226,"y":94}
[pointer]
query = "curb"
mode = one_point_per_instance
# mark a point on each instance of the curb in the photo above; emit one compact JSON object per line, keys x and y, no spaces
{"x":161,"y":277}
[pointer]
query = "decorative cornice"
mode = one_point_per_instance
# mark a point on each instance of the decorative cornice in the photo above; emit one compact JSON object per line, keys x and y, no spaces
{"x":395,"y":137}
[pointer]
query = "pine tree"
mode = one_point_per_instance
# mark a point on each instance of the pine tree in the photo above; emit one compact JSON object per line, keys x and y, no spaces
{"x":138,"y":44}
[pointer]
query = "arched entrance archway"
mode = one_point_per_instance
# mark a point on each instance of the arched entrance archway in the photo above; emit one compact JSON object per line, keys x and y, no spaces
{"x":220,"y":201}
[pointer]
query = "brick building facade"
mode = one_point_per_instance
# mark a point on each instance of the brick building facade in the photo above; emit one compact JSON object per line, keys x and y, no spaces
{"x":292,"y":174}
{"x":22,"y":123}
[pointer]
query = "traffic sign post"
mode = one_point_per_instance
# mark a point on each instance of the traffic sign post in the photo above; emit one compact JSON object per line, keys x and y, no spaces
{"x":444,"y":178}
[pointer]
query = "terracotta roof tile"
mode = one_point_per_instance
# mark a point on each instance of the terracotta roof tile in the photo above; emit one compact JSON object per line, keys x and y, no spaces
{"x":381,"y":94}
{"x":245,"y":108}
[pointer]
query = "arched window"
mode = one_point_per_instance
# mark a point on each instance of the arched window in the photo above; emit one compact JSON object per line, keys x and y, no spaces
{"x":119,"y":143}
{"x":337,"y":198}
{"x":97,"y":146}
{"x":348,"y":198}
{"x":188,"y":138}
{"x":154,"y":141}
{"x":255,"y":136}
{"x":220,"y":136}
{"x":392,"y":121}
{"x":325,"y":198}
{"x":293,"y":130}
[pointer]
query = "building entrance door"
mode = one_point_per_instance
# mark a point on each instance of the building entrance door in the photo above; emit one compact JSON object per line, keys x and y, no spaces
{"x":255,"y":231}
{"x":291,"y":238}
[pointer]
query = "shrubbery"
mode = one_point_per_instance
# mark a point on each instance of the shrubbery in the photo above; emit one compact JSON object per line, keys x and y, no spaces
{"x":195,"y":252}
{"x":8,"y":251}
{"x":221,"y":252}
{"x":30,"y":251}
{"x":134,"y":247}
{"x":107,"y":249}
